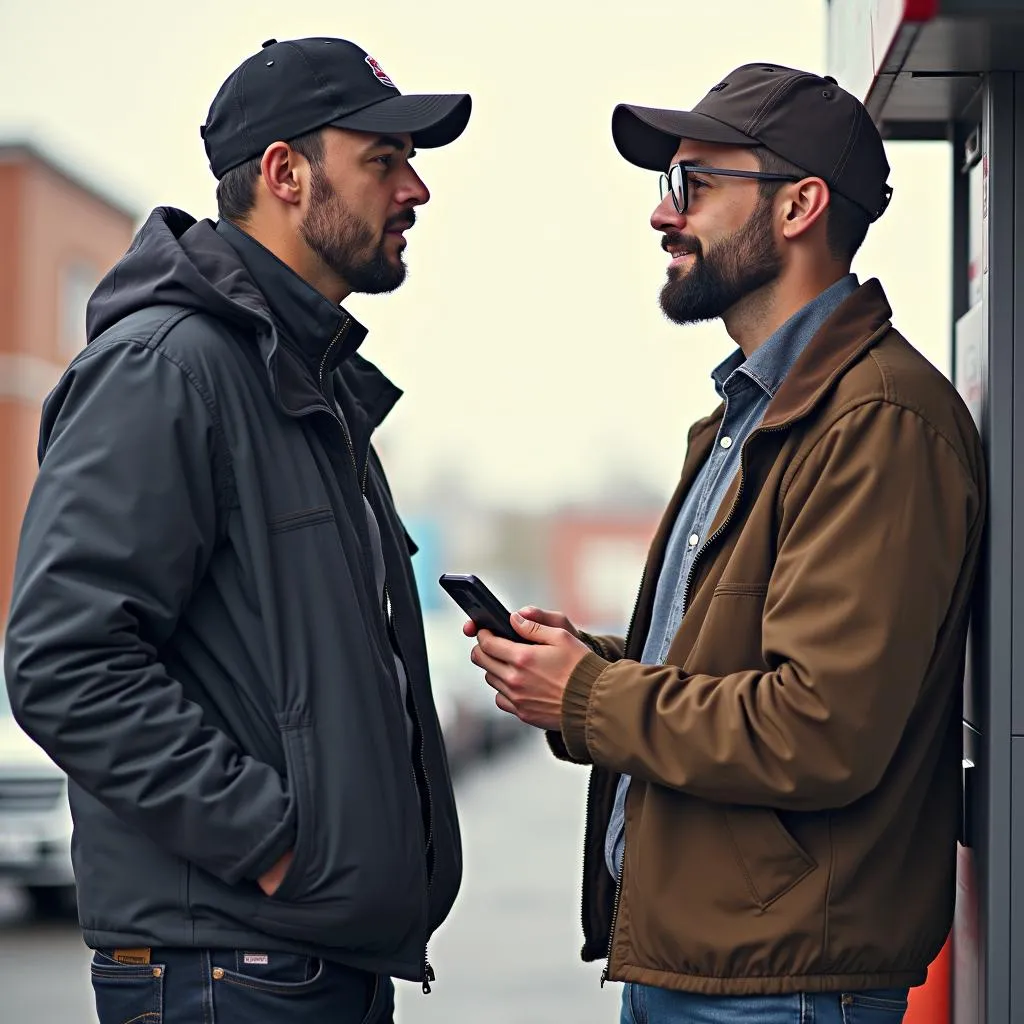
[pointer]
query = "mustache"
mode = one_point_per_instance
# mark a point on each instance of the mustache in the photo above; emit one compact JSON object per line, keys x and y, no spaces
{"x":401,"y":221}
{"x":675,"y":240}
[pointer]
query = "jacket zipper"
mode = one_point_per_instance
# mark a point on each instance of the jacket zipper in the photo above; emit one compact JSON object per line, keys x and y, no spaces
{"x":428,"y":971}
{"x":586,"y":826}
{"x":342,"y":331}
{"x":686,"y":596}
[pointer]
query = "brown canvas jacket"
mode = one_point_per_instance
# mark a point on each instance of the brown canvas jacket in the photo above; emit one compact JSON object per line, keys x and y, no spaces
{"x":792,"y":821}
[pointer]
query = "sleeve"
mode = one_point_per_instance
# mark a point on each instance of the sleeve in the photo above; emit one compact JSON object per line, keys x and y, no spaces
{"x":609,"y":648}
{"x":119,"y":530}
{"x":876,"y":526}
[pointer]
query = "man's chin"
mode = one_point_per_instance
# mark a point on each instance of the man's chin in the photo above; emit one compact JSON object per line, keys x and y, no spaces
{"x":684,"y":312}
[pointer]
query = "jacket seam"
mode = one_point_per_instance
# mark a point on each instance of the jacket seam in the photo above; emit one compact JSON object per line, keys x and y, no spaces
{"x":588,"y":721}
{"x":853,"y":406}
{"x":887,"y":376}
{"x":828,"y":892}
{"x":772,"y":977}
{"x":152,"y":342}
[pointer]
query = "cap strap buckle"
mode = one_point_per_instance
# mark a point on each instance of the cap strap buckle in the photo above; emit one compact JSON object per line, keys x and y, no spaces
{"x":883,"y":205}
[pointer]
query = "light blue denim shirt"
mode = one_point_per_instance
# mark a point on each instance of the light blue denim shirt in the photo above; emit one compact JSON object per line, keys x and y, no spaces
{"x":747,"y":386}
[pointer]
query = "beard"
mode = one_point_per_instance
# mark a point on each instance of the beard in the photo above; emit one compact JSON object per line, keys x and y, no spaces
{"x":345,"y":243}
{"x":731,"y":270}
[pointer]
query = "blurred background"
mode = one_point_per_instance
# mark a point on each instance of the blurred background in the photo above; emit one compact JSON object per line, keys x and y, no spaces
{"x":547,"y":400}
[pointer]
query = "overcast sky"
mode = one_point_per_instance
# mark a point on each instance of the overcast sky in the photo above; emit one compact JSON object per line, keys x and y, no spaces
{"x":528,"y":338}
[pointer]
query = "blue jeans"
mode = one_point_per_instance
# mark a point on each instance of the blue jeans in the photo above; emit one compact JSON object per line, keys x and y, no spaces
{"x":642,"y":1004}
{"x":221,"y":986}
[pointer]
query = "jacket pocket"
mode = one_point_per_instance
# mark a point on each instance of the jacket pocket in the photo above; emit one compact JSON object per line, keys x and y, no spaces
{"x":741,"y":590}
{"x":301,"y":518}
{"x":357,"y":879}
{"x":295,"y":738}
{"x":771,"y":860}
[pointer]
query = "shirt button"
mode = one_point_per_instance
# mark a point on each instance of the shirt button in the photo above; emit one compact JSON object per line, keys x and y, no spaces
{"x":726,"y":442}
{"x":693,"y":540}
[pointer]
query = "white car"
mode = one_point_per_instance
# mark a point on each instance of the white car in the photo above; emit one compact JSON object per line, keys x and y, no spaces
{"x":35,"y":820}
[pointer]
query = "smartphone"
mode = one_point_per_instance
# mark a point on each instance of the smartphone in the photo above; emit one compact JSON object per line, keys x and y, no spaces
{"x":470,"y":594}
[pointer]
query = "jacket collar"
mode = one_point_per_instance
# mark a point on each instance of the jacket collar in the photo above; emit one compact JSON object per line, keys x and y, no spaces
{"x":321,"y":332}
{"x":304,"y":328}
{"x":771,"y":363}
{"x":856,"y":326}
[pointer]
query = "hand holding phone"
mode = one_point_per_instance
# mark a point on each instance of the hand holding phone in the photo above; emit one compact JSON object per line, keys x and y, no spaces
{"x":486,"y":611}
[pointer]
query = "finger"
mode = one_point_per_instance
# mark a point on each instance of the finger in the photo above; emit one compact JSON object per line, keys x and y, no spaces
{"x":497,"y":647}
{"x":545,"y":618}
{"x":497,"y":684}
{"x":536,"y":632}
{"x":505,"y":704}
{"x":483,"y":660}
{"x":469,"y":628}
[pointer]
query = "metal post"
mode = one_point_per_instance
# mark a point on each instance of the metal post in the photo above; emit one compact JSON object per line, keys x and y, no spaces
{"x":997,"y":613}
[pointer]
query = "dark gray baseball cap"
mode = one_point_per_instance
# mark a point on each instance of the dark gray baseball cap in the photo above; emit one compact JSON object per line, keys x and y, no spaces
{"x":804,"y":118}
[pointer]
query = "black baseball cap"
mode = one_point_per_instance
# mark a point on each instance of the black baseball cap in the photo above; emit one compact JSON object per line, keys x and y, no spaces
{"x":806,"y":119}
{"x":298,"y":85}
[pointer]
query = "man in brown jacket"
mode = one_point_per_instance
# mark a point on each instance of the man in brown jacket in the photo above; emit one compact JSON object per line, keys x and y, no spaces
{"x":773,"y":808}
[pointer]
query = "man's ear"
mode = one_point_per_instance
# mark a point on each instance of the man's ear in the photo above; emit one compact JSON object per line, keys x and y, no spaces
{"x":280,"y":172}
{"x":803,"y":204}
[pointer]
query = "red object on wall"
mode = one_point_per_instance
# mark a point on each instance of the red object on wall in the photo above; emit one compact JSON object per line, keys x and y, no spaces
{"x":929,"y":1004}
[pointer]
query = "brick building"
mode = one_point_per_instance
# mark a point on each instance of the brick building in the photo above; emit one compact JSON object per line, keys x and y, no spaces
{"x":58,"y":236}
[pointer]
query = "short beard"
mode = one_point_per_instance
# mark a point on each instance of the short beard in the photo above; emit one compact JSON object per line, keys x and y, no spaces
{"x":345,"y":243}
{"x":732,"y":269}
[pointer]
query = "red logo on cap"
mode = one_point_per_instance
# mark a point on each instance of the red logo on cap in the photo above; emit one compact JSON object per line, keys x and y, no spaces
{"x":379,"y":73}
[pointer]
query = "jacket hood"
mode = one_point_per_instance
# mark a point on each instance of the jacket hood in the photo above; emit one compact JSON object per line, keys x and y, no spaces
{"x":176,"y":260}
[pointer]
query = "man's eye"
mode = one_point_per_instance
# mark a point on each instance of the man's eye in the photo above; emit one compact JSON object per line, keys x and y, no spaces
{"x":386,"y":160}
{"x":696,"y":184}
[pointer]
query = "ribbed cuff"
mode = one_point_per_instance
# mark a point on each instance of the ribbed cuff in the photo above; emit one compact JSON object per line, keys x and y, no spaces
{"x":575,"y":704}
{"x":557,"y":745}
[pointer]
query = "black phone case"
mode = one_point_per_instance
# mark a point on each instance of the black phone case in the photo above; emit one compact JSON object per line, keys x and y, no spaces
{"x":473,"y":597}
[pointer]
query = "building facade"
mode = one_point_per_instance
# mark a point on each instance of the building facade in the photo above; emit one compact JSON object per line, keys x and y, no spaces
{"x":58,"y":237}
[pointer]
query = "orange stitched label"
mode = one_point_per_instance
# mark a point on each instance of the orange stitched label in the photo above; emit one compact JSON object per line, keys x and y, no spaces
{"x":132,"y":956}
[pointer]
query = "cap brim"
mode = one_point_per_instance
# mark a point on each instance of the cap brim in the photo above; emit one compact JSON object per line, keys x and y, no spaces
{"x":432,"y":121}
{"x":649,"y":137}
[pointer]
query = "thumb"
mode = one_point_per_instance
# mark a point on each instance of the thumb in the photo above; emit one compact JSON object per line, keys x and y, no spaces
{"x":535,"y":632}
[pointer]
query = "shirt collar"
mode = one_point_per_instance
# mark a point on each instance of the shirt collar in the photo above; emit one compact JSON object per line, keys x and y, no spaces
{"x":768,"y":365}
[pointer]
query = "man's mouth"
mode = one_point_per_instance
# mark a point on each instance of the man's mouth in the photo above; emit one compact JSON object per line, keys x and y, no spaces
{"x":679,"y":250}
{"x":399,"y":227}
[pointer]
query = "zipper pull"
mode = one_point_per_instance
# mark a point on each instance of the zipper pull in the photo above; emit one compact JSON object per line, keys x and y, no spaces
{"x":428,"y":974}
{"x":604,"y":975}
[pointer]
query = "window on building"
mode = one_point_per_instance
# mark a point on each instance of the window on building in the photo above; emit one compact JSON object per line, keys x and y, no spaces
{"x":78,"y":282}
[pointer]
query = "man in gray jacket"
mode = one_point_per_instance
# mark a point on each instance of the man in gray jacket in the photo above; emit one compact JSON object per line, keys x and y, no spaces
{"x":215,"y":629}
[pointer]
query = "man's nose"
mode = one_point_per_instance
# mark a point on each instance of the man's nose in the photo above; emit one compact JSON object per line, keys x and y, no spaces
{"x":666,"y":217}
{"x":414,"y":191}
